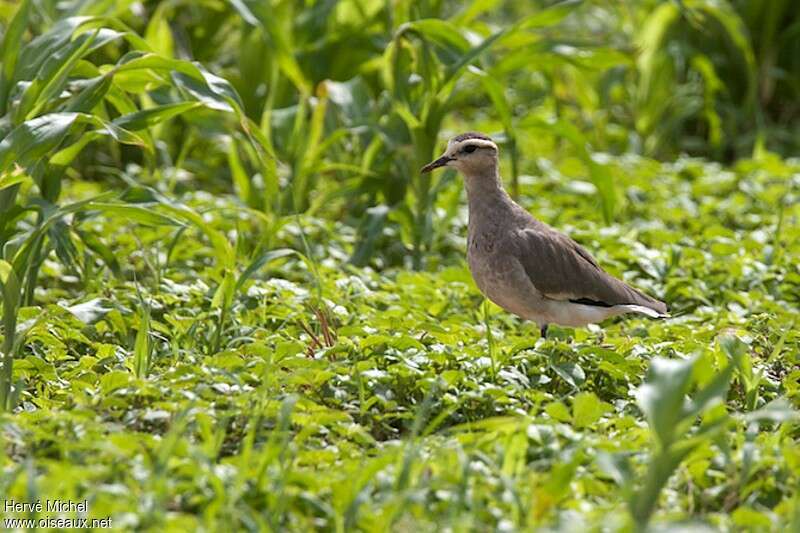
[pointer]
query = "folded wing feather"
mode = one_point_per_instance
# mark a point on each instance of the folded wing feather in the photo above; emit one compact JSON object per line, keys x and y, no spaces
{"x":562,"y":270}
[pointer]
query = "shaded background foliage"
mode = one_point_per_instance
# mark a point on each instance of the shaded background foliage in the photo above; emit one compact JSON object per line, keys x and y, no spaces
{"x":214,"y":234}
{"x":356,"y":94}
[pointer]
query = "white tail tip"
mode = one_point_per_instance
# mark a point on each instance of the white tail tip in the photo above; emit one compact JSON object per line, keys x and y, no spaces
{"x":652,"y":313}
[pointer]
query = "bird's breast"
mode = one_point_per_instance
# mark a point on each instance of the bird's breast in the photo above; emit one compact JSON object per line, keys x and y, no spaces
{"x":498,"y":275}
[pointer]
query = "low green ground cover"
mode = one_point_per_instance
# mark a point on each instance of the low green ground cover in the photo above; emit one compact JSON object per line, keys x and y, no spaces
{"x":344,"y":397}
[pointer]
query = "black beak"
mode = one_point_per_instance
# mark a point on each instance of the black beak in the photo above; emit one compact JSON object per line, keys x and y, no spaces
{"x":442,"y":161}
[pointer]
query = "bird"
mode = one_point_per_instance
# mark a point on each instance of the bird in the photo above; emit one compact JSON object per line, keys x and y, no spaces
{"x":522,"y":264}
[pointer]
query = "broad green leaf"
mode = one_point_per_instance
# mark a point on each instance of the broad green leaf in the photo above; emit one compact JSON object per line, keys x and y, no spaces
{"x":31,"y":140}
{"x":138,"y":214}
{"x":34,"y":138}
{"x":587,"y":409}
{"x":149,"y":117}
{"x":661,"y":397}
{"x":199,"y":90}
{"x":226,"y":259}
{"x":5,"y":271}
{"x":46,"y":89}
{"x":95,"y":244}
{"x":570,"y":372}
{"x":158,"y":33}
{"x":149,"y":61}
{"x":114,"y":380}
{"x":12,"y":42}
{"x":558,"y":411}
{"x":91,"y":95}
{"x":13,"y":177}
{"x":438,"y":31}
{"x":548,"y":16}
{"x":44,"y":47}
{"x":65,"y":156}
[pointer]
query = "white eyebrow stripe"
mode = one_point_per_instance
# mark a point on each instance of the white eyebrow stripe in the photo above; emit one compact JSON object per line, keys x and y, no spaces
{"x":481,"y":143}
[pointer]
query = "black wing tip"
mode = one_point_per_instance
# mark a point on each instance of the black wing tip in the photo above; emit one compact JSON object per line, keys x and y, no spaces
{"x":660,"y":307}
{"x":589,"y":301}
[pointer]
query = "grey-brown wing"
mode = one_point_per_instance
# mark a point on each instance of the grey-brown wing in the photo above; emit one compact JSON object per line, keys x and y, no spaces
{"x":561,"y":269}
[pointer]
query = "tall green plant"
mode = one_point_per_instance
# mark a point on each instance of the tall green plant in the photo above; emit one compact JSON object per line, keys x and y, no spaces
{"x":422,"y":68}
{"x":57,"y":102}
{"x":698,"y":76}
{"x":672,"y":410}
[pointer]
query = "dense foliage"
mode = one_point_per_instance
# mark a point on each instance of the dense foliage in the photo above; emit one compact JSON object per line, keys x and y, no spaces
{"x":229,"y":298}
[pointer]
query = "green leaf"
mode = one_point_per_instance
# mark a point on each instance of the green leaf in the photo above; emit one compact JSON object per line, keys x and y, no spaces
{"x":438,"y":31}
{"x":92,"y":310}
{"x":275,"y":23}
{"x":226,"y":258}
{"x":14,"y":177}
{"x":549,"y":16}
{"x":43,"y":90}
{"x":587,"y":409}
{"x":150,"y":117}
{"x":733,"y":346}
{"x":12,"y":42}
{"x":91,"y":95}
{"x":662,"y":396}
{"x":143,"y":346}
{"x":599,"y":173}
{"x":223,"y":297}
{"x":10,"y":288}
{"x":241,"y":180}
{"x":778,"y":410}
{"x":570,"y":372}
{"x":94,"y":243}
{"x":158,"y":33}
{"x":558,"y":411}
{"x":198,"y":90}
{"x":141,"y":215}
{"x":33,"y":139}
{"x":616,"y":466}
{"x":114,"y":380}
{"x":260,"y":262}
{"x":244,"y":12}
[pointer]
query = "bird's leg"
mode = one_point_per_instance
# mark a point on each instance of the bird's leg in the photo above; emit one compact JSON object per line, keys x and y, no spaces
{"x":543,"y":331}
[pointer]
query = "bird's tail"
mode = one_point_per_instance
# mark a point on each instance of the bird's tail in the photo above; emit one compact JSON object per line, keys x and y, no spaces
{"x":652,"y":313}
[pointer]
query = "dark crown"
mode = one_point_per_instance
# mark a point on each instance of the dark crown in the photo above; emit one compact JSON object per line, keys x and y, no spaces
{"x":471,"y":135}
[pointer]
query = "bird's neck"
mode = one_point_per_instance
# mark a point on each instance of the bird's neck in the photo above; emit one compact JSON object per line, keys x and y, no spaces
{"x":486,"y":197}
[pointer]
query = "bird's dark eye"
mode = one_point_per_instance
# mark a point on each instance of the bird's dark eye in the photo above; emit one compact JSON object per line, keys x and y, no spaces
{"x":469,"y":149}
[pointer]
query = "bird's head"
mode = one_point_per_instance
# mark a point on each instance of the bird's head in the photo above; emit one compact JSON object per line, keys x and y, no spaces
{"x":472,"y":154}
